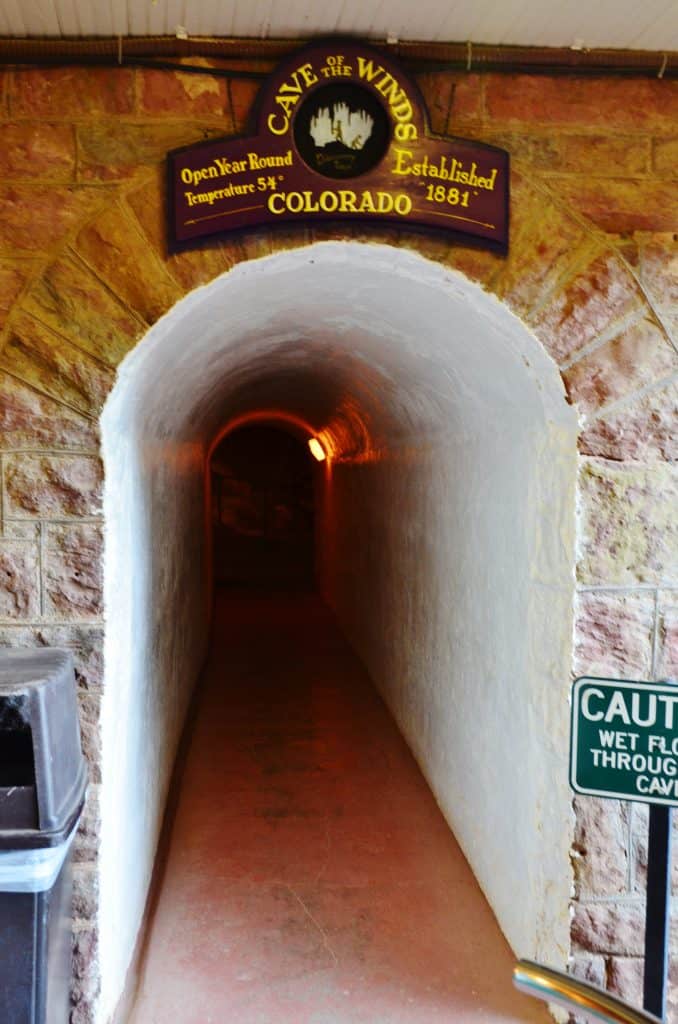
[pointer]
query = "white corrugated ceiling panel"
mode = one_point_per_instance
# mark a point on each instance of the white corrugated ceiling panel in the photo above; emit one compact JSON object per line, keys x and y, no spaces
{"x":652,"y":24}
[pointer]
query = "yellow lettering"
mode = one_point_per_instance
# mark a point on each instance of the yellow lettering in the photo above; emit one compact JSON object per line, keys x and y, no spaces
{"x":347,"y":200}
{"x":272,"y":126}
{"x":329,"y":201}
{"x":401,"y":166}
{"x":405,"y":132}
{"x":287,"y":103}
{"x":343,"y":201}
{"x":306,"y":72}
{"x":384,"y":202}
{"x":366,"y":69}
{"x":366,"y":204}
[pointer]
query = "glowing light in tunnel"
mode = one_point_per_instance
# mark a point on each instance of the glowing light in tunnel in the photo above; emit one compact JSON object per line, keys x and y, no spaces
{"x":317,"y":450}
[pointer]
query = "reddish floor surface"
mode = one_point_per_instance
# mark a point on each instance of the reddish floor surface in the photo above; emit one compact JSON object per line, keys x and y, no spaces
{"x":311,"y":878}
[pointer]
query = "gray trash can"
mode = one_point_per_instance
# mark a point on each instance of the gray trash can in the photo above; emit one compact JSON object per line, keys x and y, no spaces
{"x":43,"y":782}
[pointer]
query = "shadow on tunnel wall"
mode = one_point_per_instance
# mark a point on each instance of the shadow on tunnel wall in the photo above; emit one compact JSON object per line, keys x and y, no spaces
{"x":262,"y":484}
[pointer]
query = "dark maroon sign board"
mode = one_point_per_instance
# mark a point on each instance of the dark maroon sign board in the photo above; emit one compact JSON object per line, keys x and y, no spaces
{"x":341,"y":134}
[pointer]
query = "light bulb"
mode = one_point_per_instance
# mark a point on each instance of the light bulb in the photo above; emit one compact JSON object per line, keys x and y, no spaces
{"x":317,"y":450}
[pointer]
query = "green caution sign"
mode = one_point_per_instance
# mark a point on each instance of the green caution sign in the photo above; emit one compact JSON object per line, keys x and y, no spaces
{"x":624,"y":740}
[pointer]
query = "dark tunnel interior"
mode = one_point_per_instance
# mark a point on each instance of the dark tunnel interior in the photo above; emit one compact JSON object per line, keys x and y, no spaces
{"x":262,"y":480}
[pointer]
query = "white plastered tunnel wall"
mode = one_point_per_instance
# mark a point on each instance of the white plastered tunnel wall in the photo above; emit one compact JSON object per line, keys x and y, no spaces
{"x":446,"y":549}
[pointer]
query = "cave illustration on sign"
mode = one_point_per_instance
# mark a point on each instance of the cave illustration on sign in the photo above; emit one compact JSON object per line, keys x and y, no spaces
{"x":340,"y":132}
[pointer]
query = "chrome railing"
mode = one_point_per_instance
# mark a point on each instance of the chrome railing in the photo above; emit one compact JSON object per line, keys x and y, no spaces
{"x":587,"y":1001}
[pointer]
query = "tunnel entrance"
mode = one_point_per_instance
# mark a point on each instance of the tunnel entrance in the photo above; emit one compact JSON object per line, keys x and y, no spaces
{"x":263,"y":509}
{"x":444,"y":546}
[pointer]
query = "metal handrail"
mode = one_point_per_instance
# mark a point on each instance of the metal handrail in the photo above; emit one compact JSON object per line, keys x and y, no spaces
{"x":593,"y":1003}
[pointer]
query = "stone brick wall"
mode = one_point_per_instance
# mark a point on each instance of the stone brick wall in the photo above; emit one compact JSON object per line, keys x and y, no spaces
{"x":593,"y":270}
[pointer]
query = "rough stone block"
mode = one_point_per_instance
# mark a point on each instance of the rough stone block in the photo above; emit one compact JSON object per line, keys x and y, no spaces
{"x":588,"y":968}
{"x":544,"y":241}
{"x":670,"y":322}
{"x":328,"y":232}
{"x":467,"y":102}
{"x":50,"y":364}
{"x":53,"y":485}
{"x":85,"y":643}
{"x":73,"y":571}
{"x":639,"y":834}
{"x":614,"y":634}
{"x":72,"y":301}
{"x":672,"y":992}
{"x":600,"y":294}
{"x":538,"y":150}
{"x":191,"y":268}
{"x":437,"y":90}
{"x":474,"y":263}
{"x":89,"y":704}
{"x":86,"y":843}
{"x":601,"y":847}
{"x":183,"y":94}
{"x":432,"y":247}
{"x":452,"y":100}
{"x":639,"y":830}
{"x":243,"y":92}
{"x":85,"y":973}
{"x":665,"y":156}
{"x":255,"y":244}
{"x":667,"y":636}
{"x":609,"y":103}
{"x":294,"y":236}
{"x":658,"y":269}
{"x":628,"y":525}
{"x":558,"y":153}
{"x":121,"y":255}
{"x":639,"y":356}
{"x":110,"y":151}
{"x":620,"y":205}
{"x":35,"y":218}
{"x":609,"y":928}
{"x":19,"y":580}
{"x":21,"y":529}
{"x":644,"y":430}
{"x":31,"y":419}
{"x":13,"y":277}
{"x":37,"y":151}
{"x":72,"y":92}
{"x":610,"y":155}
{"x":625,"y":978}
{"x":85,"y":891}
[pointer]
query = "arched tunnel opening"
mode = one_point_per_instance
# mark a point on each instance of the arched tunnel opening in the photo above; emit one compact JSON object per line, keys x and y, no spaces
{"x":442,"y":521}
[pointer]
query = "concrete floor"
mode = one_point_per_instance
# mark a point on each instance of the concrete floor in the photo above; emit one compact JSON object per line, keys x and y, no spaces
{"x":311,"y":878}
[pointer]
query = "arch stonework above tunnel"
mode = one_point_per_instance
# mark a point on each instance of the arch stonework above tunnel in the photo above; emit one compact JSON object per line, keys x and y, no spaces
{"x":111,"y":280}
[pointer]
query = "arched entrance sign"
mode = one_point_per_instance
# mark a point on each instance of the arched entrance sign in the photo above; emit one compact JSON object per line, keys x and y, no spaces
{"x":341,"y":134}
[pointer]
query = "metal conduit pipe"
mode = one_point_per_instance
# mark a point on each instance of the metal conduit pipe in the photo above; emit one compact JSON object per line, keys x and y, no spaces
{"x":422,"y":56}
{"x":589,"y":1001}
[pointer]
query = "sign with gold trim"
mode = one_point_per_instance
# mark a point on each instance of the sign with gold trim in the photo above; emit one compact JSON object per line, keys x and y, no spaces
{"x":341,"y":134}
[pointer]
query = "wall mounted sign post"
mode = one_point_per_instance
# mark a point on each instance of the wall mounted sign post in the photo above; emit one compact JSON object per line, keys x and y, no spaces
{"x":341,"y":134}
{"x":624,"y":746}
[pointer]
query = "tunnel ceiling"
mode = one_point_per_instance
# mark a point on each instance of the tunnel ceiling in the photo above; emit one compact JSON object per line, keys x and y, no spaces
{"x":368,"y":346}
